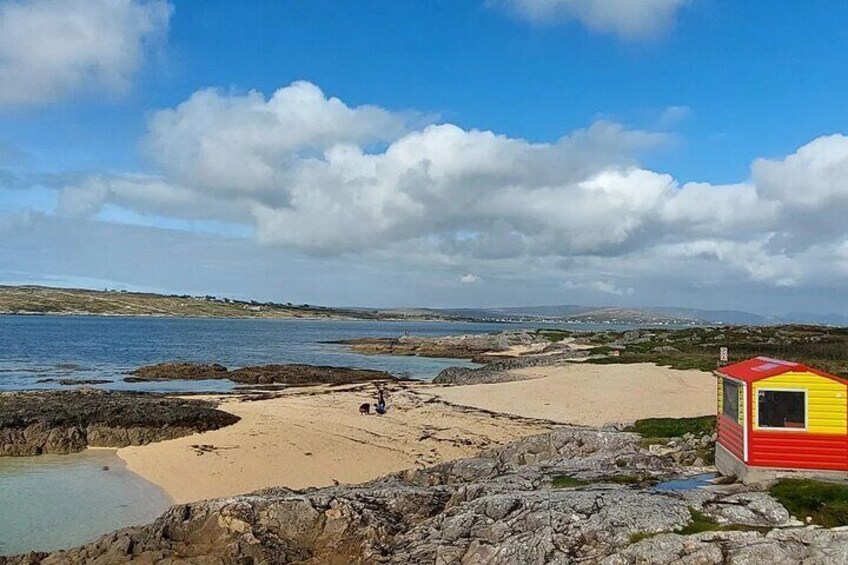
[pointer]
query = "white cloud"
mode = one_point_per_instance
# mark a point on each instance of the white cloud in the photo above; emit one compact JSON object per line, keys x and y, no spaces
{"x":602,"y":287}
{"x":631,"y":19}
{"x":53,"y":48}
{"x":672,"y":116}
{"x":814,"y":177}
{"x":233,"y":142}
{"x":311,"y":174}
{"x":469,"y":278}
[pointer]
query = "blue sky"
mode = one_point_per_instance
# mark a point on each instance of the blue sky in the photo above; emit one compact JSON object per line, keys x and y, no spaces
{"x":667,"y":108}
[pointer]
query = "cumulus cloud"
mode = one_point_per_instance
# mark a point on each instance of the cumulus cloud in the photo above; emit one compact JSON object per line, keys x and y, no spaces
{"x":243,"y":142}
{"x":53,"y":48}
{"x":469,"y":278}
{"x":631,"y":19}
{"x":309,"y":173}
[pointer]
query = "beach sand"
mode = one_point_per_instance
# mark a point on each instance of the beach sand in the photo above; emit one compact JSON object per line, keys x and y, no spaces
{"x":593,"y":395}
{"x":315,"y":437}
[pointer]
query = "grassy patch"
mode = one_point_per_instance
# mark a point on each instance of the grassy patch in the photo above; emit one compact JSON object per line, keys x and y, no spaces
{"x":636,"y":537}
{"x":698,"y":348}
{"x":700,"y":523}
{"x":649,"y":441}
{"x":657,"y":428}
{"x":566,"y":481}
{"x":825,"y":503}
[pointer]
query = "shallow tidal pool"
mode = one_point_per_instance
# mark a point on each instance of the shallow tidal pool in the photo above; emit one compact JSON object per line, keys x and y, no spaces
{"x":58,"y":501}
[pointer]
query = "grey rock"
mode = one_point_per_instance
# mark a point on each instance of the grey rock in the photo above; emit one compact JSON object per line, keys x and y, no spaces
{"x":33,"y":423}
{"x":496,"y":508}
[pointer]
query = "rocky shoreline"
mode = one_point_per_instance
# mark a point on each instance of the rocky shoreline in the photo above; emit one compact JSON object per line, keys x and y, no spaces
{"x":40,"y":422}
{"x":571,"y":495}
{"x":291,"y":374}
{"x":470,"y":346}
{"x":498,"y":370}
{"x":498,"y":353}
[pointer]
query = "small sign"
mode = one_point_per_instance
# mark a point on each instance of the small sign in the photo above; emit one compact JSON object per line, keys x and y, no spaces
{"x":722,"y":355}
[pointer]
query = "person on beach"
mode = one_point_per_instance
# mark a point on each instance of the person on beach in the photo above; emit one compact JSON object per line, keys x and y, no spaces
{"x":381,"y":402}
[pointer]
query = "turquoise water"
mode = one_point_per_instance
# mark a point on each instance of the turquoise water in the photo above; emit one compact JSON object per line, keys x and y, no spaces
{"x":56,"y":501}
{"x":51,"y":502}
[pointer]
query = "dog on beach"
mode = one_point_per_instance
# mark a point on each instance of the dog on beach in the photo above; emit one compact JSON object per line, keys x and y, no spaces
{"x":365,"y":408}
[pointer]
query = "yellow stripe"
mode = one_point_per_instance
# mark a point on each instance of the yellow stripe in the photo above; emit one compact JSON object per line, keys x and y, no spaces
{"x":827,"y":400}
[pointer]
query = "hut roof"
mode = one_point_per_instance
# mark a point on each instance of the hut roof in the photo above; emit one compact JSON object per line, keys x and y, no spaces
{"x":758,"y":368}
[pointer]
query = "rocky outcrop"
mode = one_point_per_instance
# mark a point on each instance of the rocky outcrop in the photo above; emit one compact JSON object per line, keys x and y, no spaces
{"x":178,"y":371}
{"x":34,"y":423}
{"x":502,"y":507}
{"x":471,"y":346}
{"x":306,"y":375}
{"x":292,"y":374}
{"x":499,"y":370}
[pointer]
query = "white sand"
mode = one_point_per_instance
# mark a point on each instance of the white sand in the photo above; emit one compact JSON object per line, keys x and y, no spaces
{"x":314,"y":437}
{"x":593,"y":395}
{"x":302,"y":439}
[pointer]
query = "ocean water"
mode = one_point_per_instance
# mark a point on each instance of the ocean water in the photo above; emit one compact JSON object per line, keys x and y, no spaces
{"x":51,"y":502}
{"x":56,"y":501}
{"x":35,"y":348}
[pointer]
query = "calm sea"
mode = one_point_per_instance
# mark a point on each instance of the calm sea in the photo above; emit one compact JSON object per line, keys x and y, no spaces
{"x":35,"y":348}
{"x":58,"y":501}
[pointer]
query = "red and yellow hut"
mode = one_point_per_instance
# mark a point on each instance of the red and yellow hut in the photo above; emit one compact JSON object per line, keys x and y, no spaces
{"x":776,"y":416}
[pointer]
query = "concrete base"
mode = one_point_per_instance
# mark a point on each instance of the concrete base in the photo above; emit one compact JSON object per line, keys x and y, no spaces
{"x":731,"y":466}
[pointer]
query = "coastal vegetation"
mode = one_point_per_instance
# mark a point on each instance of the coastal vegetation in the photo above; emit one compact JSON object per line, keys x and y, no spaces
{"x":68,"y":301}
{"x":824,"y":503}
{"x":674,"y":427}
{"x":822,"y":347}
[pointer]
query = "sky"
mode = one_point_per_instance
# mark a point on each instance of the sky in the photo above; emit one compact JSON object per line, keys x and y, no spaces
{"x":443,"y":153}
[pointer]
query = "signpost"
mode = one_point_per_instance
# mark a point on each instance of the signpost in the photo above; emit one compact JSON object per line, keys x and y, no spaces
{"x":722,"y":355}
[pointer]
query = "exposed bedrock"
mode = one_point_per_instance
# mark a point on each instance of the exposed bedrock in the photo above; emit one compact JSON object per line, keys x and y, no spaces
{"x":499,"y":370}
{"x":34,"y":423}
{"x":500,"y":507}
{"x":292,"y":374}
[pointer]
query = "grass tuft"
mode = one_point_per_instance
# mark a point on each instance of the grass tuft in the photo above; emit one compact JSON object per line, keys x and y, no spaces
{"x":566,"y":481}
{"x":654,"y":429}
{"x":826,"y":503}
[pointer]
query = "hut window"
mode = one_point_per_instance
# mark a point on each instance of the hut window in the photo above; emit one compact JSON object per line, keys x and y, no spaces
{"x":730,"y":396}
{"x":782,"y":409}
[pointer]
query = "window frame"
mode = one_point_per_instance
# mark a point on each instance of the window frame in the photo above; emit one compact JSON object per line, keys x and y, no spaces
{"x":739,"y":387}
{"x":803,"y":391}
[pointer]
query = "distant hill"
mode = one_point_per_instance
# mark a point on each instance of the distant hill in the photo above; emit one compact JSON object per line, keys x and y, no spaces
{"x":70,"y":301}
{"x":658,"y":315}
{"x":568,"y":313}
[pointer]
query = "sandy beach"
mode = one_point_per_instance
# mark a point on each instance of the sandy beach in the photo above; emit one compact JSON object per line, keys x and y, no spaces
{"x":316,"y":436}
{"x":593,"y":395}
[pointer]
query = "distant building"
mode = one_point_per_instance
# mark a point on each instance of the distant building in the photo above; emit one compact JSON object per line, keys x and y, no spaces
{"x":778,"y":417}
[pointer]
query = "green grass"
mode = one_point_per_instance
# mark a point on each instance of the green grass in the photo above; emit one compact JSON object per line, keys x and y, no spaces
{"x":825,"y":503}
{"x":636,"y":537}
{"x":700,"y":523}
{"x":698,"y":348}
{"x":654,"y":429}
{"x":565,"y":481}
{"x":623,"y":479}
